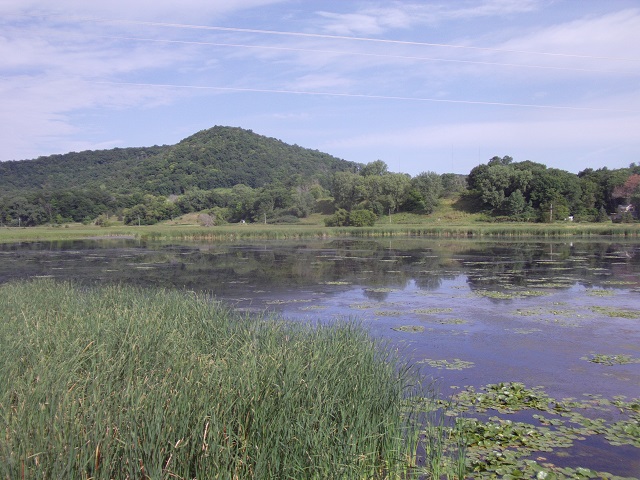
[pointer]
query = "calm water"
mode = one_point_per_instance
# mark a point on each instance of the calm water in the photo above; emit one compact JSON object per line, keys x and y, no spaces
{"x":518,"y":311}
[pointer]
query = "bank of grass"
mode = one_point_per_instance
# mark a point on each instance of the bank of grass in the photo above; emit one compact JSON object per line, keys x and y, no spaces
{"x":120,"y":382}
{"x":448,"y":224}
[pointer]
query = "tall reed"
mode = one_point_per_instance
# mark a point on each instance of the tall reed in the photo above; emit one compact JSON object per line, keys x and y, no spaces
{"x":120,"y":382}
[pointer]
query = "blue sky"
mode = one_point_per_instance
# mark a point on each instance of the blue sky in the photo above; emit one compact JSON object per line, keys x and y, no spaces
{"x":425,"y":86}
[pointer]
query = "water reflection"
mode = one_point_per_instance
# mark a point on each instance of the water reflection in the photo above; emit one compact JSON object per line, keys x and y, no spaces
{"x":278,"y":266}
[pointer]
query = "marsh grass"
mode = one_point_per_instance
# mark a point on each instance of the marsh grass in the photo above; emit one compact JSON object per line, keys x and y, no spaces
{"x":119,"y":382}
{"x":402,"y":225}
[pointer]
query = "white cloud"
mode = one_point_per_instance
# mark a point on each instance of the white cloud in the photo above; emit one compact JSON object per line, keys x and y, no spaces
{"x":379,"y":18}
{"x":612,"y":36}
{"x":527,"y":133}
{"x":168,"y":10}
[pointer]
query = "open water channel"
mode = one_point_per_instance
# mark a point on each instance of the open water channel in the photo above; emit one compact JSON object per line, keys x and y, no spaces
{"x":563,"y":315}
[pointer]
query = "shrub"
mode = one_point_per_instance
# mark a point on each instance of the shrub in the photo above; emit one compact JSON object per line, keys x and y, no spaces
{"x":338,"y":219}
{"x":362,"y":218}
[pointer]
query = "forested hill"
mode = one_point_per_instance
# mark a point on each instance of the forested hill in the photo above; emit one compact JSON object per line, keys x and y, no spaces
{"x":213,"y":158}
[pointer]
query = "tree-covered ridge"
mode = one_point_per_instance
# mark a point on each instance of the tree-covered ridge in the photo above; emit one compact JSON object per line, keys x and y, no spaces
{"x":227,"y":156}
{"x":213,"y":158}
{"x":88,"y":169}
{"x":231,"y":175}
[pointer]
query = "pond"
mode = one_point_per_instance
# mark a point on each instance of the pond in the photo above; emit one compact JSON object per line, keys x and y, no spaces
{"x":564,"y":316}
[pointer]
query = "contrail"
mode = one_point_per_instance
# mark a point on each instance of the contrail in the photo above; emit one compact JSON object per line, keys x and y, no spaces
{"x":361,"y":54}
{"x":358,"y":95}
{"x":334,"y":37}
{"x":360,"y":39}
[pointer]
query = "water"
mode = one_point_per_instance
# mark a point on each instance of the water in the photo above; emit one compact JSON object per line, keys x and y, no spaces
{"x":530,"y":312}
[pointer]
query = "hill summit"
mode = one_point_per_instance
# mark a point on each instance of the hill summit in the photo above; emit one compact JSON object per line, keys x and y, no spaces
{"x":217,"y":157}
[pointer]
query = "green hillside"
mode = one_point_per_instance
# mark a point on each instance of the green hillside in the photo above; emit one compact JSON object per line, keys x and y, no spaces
{"x":213,"y":158}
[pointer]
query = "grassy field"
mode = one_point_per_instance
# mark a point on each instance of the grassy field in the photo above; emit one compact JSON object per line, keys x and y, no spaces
{"x":119,"y":382}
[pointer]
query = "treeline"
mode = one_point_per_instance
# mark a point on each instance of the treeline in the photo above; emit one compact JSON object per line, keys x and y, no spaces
{"x":530,"y":191}
{"x":502,"y":189}
{"x":355,"y":198}
{"x":276,"y":203}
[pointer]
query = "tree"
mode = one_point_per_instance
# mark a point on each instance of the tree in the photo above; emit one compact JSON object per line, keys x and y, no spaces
{"x":376,"y":168}
{"x":452,"y":183}
{"x":429,"y":187}
{"x":506,"y":160}
{"x":515,"y":204}
{"x":496,"y":182}
{"x":625,"y":191}
{"x":347,"y":189}
{"x":395,"y":187}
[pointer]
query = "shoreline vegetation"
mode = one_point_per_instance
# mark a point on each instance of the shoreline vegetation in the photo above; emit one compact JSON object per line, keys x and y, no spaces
{"x":232,"y":232}
{"x":124,"y":382}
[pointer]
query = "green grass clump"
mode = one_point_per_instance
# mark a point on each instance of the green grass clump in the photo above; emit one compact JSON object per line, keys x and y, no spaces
{"x":120,"y":382}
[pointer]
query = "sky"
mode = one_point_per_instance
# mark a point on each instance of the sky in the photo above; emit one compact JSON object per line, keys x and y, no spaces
{"x":425,"y":86}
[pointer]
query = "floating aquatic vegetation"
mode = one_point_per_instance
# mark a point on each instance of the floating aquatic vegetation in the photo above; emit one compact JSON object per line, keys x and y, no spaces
{"x":612,"y":312}
{"x":336,"y":283}
{"x":452,"y":321}
{"x":598,"y":292}
{"x":496,"y":295}
{"x":505,"y":397}
{"x":431,"y":311}
{"x":409,"y":328}
{"x":283,"y":302}
{"x":619,"y":282}
{"x":524,"y":331}
{"x":497,"y":447}
{"x":380,"y":290}
{"x":528,"y":312}
{"x":313,"y":307}
{"x":533,"y":293}
{"x":610,"y":360}
{"x":387,"y":313}
{"x":563,"y":313}
{"x":363,"y":306}
{"x":455,"y":364}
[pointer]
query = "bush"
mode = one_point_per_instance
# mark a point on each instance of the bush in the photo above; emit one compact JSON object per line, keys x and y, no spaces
{"x":103,"y":220}
{"x":362,"y":218}
{"x":356,"y":218}
{"x":338,"y":219}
